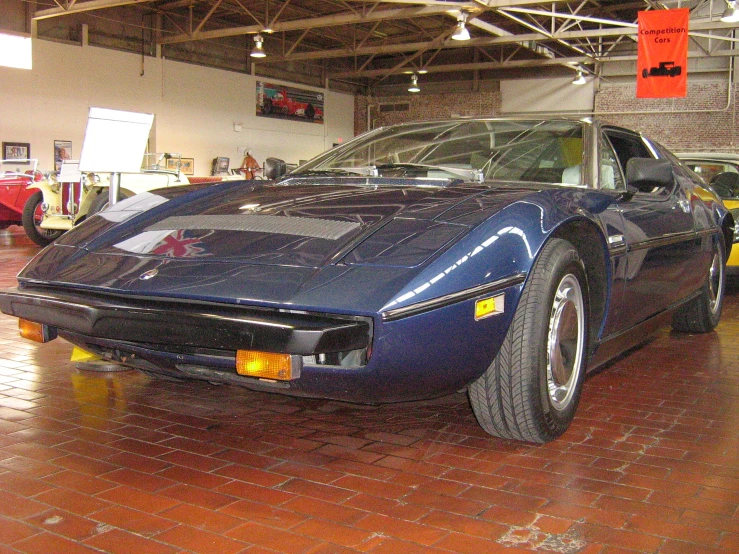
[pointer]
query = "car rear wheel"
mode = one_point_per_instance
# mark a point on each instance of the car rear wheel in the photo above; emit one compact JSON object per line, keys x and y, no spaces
{"x":31,"y":219}
{"x":702,"y":314}
{"x":531,"y":390}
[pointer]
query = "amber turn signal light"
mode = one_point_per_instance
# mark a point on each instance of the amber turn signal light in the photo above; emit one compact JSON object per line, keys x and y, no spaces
{"x":265,"y":365}
{"x":37,"y":332}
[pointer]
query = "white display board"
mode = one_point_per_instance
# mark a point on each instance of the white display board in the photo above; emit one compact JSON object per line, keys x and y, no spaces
{"x":115,"y":141}
{"x":70,"y":172}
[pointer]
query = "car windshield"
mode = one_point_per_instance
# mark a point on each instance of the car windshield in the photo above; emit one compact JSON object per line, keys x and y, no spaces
{"x":473,"y":150}
{"x":722,"y":176}
{"x":18,"y":168}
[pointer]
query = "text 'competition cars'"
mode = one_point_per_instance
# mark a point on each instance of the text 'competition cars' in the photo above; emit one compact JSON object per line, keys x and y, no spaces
{"x":505,"y":257}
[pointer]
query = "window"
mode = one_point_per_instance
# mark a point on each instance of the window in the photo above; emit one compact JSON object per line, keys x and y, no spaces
{"x":610,"y":172}
{"x":15,"y":51}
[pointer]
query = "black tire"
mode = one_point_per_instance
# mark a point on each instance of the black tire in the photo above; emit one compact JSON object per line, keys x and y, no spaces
{"x":702,"y":314}
{"x":31,"y":219}
{"x":531,"y":390}
{"x":267,"y":106}
{"x":644,"y":73}
{"x":101,"y":201}
{"x":310,"y":112}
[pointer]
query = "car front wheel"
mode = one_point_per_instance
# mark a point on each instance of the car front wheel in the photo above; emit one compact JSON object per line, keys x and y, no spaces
{"x":31,"y":219}
{"x":532,"y":388}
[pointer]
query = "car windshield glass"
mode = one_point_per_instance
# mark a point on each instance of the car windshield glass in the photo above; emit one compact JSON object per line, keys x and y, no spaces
{"x":17,"y":168}
{"x":722,"y":176}
{"x":536,"y":151}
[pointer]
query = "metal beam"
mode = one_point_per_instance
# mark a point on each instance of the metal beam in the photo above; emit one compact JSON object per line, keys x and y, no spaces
{"x":314,"y":23}
{"x":489,"y":41}
{"x":520,"y":64}
{"x":85,"y":7}
{"x":473,"y":66}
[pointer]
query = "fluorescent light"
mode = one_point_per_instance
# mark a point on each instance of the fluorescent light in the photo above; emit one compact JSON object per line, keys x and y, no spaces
{"x":579,"y":79}
{"x":15,"y":51}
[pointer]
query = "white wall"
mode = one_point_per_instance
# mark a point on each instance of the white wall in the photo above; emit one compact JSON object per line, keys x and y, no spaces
{"x":195,"y":107}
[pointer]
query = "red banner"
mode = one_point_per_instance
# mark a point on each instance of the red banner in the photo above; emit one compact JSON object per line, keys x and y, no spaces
{"x":662,"y":61}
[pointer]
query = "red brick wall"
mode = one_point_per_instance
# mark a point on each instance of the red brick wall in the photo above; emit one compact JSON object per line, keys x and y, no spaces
{"x":698,"y":122}
{"x":424,"y":107}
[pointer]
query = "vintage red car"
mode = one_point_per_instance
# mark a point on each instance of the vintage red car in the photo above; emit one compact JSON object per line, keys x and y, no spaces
{"x":15,"y":176}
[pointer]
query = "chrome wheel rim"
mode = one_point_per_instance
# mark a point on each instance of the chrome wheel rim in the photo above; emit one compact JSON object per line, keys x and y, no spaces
{"x":715,"y":282}
{"x":566,"y":342}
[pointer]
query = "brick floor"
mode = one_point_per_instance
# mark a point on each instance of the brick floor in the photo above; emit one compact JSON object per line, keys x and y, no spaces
{"x":120,"y":463}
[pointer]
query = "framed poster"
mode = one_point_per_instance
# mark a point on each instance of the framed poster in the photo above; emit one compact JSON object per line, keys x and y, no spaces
{"x":17,"y":151}
{"x":62,"y":152}
{"x":291,"y":103}
{"x":186,"y":165}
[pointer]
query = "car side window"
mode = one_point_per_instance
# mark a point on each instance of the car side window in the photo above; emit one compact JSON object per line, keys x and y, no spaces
{"x":627,"y":146}
{"x":610,"y":171}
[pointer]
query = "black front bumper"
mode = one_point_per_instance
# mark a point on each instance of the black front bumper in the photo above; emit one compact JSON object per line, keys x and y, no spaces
{"x":179,"y":323}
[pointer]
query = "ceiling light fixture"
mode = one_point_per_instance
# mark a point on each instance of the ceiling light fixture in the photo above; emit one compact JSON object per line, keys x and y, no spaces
{"x":731,"y":14}
{"x":461,"y":32}
{"x":258,"y":51}
{"x":579,"y":78}
{"x":414,"y":84}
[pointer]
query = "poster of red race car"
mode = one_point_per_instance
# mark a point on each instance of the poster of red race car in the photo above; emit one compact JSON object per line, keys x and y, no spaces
{"x":291,"y":103}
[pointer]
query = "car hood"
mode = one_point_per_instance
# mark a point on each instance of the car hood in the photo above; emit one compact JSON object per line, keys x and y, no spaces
{"x":304,"y":224}
{"x":282,"y":243}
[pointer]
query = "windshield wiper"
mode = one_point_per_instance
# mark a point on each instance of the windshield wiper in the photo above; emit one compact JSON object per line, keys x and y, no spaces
{"x":368,"y":171}
{"x":470,"y":174}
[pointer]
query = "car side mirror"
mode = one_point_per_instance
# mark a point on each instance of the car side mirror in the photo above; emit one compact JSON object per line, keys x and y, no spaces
{"x":646,"y":174}
{"x":274,"y":168}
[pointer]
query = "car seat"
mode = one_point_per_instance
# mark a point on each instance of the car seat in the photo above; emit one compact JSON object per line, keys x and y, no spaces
{"x":726,"y":184}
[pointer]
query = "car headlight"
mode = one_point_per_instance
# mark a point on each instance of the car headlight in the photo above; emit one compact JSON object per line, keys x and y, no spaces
{"x":53,"y":182}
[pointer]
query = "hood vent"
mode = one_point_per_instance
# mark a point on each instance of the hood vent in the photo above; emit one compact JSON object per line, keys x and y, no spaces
{"x":296,"y":226}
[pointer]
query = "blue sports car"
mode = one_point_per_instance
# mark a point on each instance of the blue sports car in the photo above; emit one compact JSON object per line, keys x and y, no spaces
{"x":506,"y":257}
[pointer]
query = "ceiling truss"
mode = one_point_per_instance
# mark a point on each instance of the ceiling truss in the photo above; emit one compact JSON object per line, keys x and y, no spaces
{"x":367,"y":44}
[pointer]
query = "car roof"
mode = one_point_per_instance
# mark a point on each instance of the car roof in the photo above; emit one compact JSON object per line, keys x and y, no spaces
{"x":709,"y":156}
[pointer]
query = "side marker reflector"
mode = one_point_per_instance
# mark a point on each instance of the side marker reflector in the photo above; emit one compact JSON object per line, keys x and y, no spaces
{"x":486,"y":307}
{"x":37,"y":332}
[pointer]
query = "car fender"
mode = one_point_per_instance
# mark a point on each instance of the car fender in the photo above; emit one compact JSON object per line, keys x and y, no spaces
{"x":497,"y":256}
{"x":506,"y":244}
{"x":45,"y":189}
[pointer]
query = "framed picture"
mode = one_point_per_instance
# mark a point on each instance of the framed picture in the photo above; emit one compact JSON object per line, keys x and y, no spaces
{"x":283,"y":102}
{"x":62,"y":152}
{"x":16,"y":151}
{"x":187,"y":165}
